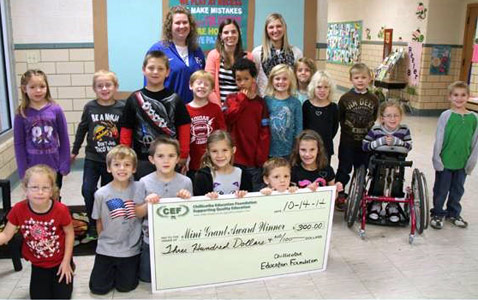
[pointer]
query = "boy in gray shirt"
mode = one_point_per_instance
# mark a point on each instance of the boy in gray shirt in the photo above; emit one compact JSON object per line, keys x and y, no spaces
{"x":164,"y":183}
{"x":119,"y":230}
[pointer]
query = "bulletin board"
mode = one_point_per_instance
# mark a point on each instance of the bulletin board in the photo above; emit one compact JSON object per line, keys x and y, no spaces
{"x":343,"y":42}
{"x":209,"y":14}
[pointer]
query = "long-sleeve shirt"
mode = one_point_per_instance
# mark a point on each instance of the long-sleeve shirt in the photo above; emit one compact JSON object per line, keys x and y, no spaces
{"x":248,"y":122}
{"x":149,"y":114}
{"x":357,"y":114}
{"x":456,"y":142}
{"x":100,"y":122}
{"x":324,"y":121}
{"x":42,"y":138}
{"x":376,"y":137}
{"x":285,"y":123}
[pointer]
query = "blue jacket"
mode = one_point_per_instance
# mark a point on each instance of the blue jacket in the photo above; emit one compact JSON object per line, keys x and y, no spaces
{"x":178,"y":79}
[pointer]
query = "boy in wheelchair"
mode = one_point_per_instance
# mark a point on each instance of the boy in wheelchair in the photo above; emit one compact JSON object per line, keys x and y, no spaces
{"x":389,"y":141}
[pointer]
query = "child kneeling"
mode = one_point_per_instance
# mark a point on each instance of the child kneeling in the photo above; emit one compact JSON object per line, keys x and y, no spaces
{"x":119,"y":230}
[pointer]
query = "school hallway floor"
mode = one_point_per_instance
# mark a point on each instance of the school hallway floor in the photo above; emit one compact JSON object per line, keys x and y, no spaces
{"x":439,"y":264}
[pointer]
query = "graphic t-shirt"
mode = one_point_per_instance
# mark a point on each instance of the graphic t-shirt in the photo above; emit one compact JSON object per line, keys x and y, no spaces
{"x":204,"y":120}
{"x":43,"y":235}
{"x":41,"y":137}
{"x":121,"y":235}
{"x":303,"y":177}
{"x":225,"y":184}
{"x":100,"y":122}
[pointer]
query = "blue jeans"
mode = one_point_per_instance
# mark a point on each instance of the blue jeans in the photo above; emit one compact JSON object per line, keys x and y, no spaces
{"x":92,"y":171}
{"x":448,"y":183}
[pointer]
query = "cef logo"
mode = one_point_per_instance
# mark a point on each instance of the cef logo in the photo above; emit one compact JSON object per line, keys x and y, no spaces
{"x":172,"y":212}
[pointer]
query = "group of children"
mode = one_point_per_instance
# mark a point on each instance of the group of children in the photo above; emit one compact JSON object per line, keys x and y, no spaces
{"x":249,"y":144}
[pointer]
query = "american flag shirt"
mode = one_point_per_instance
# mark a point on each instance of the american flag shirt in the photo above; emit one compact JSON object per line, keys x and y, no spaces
{"x":121,"y":235}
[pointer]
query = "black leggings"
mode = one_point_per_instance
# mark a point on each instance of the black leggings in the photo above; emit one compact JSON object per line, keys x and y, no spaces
{"x":44,"y":284}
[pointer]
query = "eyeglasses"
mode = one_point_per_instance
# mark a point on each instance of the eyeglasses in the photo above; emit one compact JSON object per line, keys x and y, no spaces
{"x":107,"y":85}
{"x":36,"y":188}
{"x":391,"y":116}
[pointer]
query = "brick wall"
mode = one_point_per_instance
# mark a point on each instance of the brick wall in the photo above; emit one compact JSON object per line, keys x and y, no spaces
{"x":431,"y":92}
{"x":70,"y":74}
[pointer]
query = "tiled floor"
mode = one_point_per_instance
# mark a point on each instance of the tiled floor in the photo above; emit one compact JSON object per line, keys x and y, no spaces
{"x":440,"y":264}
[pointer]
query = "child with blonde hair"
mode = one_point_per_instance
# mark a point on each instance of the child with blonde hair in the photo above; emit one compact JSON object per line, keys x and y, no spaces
{"x":99,"y":122}
{"x":119,"y":230}
{"x":276,"y":175}
{"x":357,"y":113}
{"x":205,"y":116}
{"x":285,"y":110}
{"x":40,"y":133}
{"x":48,"y":235}
{"x":320,"y":113}
{"x":218,"y":175}
{"x":304,"y":69}
{"x":390,"y":132}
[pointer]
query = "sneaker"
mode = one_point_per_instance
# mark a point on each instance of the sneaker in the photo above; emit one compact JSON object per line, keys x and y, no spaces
{"x":76,"y":243}
{"x":436,"y":222}
{"x":457,"y":221}
{"x":392,"y":212}
{"x":88,"y":238}
{"x":374,"y":213}
{"x":340,"y":202}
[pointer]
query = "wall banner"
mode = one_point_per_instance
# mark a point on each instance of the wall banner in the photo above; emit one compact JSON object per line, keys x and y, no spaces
{"x":209,"y":242}
{"x":415,"y":56}
{"x":210,"y":13}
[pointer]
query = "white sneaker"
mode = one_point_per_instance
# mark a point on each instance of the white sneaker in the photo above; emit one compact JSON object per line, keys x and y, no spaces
{"x":375,"y":211}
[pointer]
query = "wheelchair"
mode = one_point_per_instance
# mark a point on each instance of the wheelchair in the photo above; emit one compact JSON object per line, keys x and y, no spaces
{"x":383,"y":182}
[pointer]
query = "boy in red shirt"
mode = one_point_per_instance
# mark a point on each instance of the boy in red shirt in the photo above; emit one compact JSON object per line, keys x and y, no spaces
{"x":205,"y":118}
{"x":247,"y":120}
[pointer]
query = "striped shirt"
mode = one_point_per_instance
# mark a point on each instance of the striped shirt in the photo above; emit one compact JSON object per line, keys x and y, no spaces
{"x":227,"y":82}
{"x":377,"y":135}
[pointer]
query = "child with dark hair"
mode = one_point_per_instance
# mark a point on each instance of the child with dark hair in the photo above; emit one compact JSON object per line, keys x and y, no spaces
{"x":247,"y":119}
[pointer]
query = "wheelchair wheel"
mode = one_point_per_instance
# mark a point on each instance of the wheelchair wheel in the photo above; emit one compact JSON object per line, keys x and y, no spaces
{"x":355,"y":195}
{"x":427,"y":200}
{"x":420,"y":201}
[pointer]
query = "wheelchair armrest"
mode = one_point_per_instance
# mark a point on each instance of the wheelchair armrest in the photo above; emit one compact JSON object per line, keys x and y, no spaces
{"x":392,"y":163}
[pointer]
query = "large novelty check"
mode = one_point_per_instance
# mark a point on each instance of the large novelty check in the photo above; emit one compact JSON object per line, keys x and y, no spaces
{"x":203,"y":242}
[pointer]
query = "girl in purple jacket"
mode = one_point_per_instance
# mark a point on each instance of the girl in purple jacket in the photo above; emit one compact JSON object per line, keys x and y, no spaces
{"x":40,"y":130}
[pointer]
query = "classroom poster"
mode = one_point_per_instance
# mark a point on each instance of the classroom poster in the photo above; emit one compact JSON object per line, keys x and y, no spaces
{"x":343,"y":42}
{"x":440,"y":61}
{"x":210,"y":13}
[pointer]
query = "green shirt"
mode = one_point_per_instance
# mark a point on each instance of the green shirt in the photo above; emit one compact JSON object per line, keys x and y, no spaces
{"x":457,"y":142}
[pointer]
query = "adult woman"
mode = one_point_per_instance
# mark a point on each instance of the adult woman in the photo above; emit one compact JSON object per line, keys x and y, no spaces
{"x":220,"y":60}
{"x":179,"y":43}
{"x":275,"y":49}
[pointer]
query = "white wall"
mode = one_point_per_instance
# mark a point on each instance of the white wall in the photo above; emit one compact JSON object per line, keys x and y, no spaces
{"x":396,"y":14}
{"x":52,"y":21}
{"x":322,"y":21}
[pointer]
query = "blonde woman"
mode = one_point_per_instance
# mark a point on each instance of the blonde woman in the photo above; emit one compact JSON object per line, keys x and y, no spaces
{"x":275,"y":49}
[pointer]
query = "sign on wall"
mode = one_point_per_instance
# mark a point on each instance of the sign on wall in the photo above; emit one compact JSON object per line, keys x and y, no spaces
{"x":204,"y":242}
{"x":415,"y":55}
{"x":210,"y":13}
{"x":343,"y":42}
